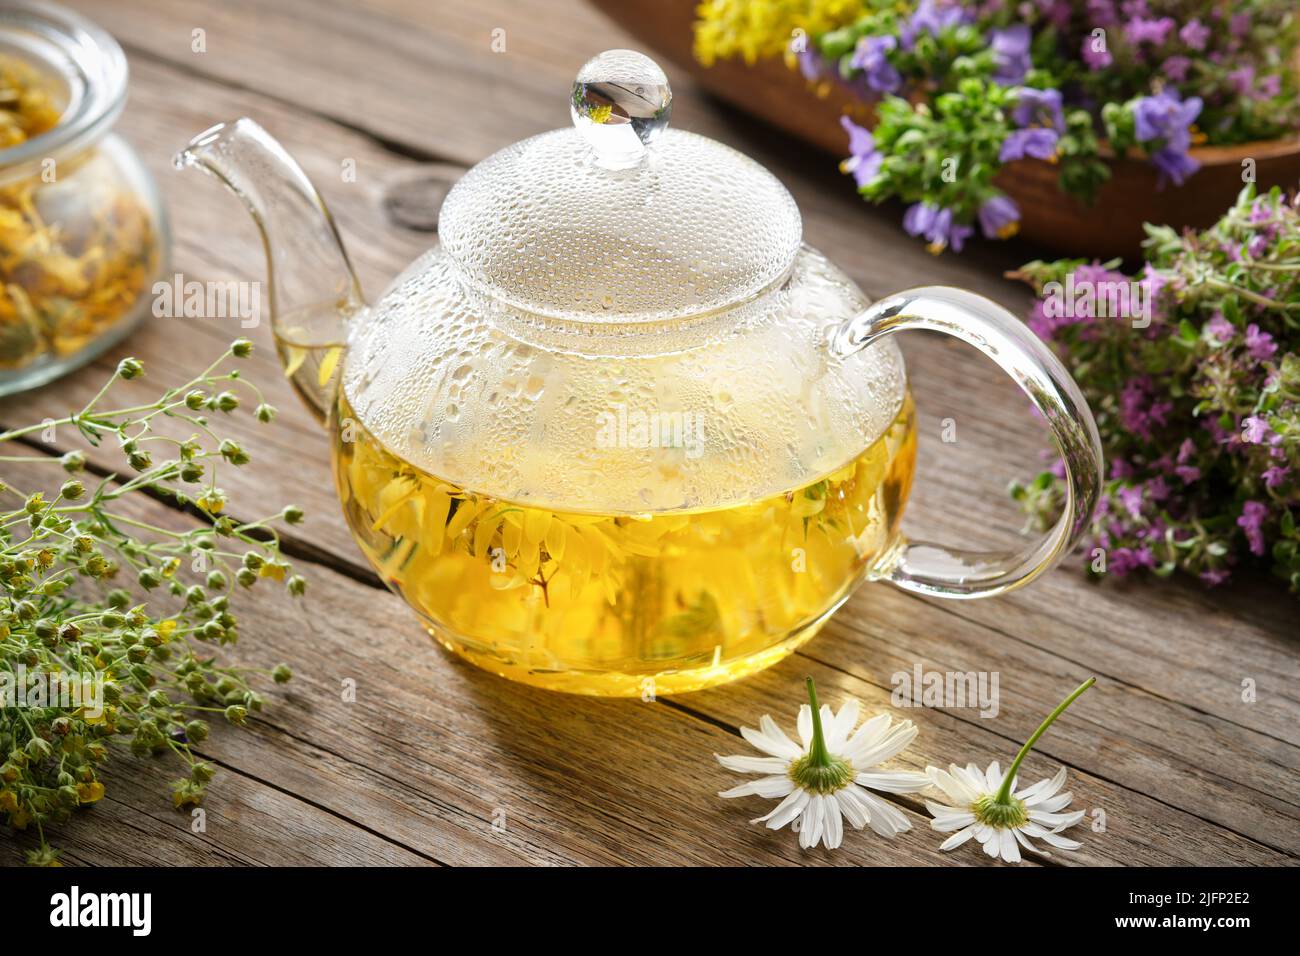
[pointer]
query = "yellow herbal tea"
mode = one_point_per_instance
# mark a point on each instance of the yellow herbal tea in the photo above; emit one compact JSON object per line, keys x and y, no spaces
{"x":623,"y":604}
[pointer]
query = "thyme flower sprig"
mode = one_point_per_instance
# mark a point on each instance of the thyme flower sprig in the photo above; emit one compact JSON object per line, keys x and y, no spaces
{"x":1199,"y":406}
{"x":109,"y":623}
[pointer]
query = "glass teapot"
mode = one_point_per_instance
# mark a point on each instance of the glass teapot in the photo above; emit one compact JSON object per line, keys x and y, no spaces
{"x":620,"y":431}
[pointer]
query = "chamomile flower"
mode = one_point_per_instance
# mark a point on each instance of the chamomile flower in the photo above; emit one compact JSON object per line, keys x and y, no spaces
{"x":986,"y":805}
{"x":829,"y":776}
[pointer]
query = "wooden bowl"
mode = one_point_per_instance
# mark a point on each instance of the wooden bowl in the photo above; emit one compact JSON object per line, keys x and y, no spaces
{"x":1110,"y":227}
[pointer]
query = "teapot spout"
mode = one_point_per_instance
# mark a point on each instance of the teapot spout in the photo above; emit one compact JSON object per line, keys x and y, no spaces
{"x":312,"y":289}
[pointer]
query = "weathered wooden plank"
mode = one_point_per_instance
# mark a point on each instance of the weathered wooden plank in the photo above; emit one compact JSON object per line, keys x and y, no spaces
{"x":246,"y":823}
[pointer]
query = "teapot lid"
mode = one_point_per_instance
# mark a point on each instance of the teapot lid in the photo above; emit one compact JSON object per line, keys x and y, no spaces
{"x":618,"y":218}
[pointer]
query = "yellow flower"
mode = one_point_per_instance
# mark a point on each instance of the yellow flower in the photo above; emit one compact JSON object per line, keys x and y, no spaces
{"x":758,"y":29}
{"x":90,"y":792}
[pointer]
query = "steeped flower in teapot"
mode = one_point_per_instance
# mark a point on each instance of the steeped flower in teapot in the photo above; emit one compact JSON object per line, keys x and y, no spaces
{"x":620,"y":429}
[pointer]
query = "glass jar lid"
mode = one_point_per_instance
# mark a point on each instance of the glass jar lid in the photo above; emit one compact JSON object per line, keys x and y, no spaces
{"x":619,"y":219}
{"x":85,"y":66}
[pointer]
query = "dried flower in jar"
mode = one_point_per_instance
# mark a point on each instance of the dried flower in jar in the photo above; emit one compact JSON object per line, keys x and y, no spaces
{"x":76,"y":247}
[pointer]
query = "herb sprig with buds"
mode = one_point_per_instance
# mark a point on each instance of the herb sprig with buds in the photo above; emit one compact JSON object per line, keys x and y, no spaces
{"x":128,"y":612}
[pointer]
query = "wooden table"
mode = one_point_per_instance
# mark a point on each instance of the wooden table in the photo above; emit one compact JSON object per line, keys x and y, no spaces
{"x":437,"y":762}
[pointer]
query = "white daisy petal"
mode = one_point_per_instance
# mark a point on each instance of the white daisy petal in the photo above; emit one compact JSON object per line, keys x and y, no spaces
{"x":1060,"y":842}
{"x":771,"y":787}
{"x":1058,"y":821}
{"x":892,"y":744}
{"x":834,"y":823}
{"x":780,"y":747}
{"x":868,"y":735}
{"x":1052,"y":804}
{"x":893,"y":781}
{"x":952,"y":785}
{"x":993,"y":777}
{"x":1010,"y":848}
{"x":785,"y":811}
{"x":1043,"y":789}
{"x":946,"y":782}
{"x":838,"y":730}
{"x":973,"y":778}
{"x":742,"y":764}
{"x":774,"y":733}
{"x":851,"y":809}
{"x":810,"y":824}
{"x":884,"y":818}
{"x":805,"y":726}
{"x":958,"y":838}
{"x":1023,"y":840}
{"x":948,"y":818}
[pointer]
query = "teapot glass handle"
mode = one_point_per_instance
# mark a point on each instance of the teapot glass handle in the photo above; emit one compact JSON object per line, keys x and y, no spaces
{"x":925,"y":568}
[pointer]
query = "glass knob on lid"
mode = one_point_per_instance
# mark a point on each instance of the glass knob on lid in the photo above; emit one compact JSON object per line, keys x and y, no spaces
{"x":616,"y":219}
{"x":621,"y":103}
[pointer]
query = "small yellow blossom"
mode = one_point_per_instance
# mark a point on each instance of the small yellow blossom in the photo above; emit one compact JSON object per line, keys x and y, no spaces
{"x":91,"y":792}
{"x":759,"y":29}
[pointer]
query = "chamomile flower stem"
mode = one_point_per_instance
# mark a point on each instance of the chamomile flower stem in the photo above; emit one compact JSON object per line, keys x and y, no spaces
{"x":1004,"y":792}
{"x":818,"y":755}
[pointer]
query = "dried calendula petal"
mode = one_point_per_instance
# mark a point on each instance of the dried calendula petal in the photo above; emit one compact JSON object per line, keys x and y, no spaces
{"x":77,"y":245}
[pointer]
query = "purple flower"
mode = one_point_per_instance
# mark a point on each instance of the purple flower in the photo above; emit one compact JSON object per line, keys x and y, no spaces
{"x":1270,"y":86}
{"x":1011,"y":53}
{"x":1166,"y":117}
{"x":1213,"y":577}
{"x":1173,"y":165}
{"x":1037,"y":142}
{"x":1124,"y":560}
{"x":1242,"y":79}
{"x":932,"y":16}
{"x":811,"y":65}
{"x":871,"y":55}
{"x":1220,"y":329}
{"x":1038,"y":108}
{"x":1130,"y":497}
{"x":1253,"y":514}
{"x":937,"y":226}
{"x":1275,"y":475}
{"x":1239,"y":24}
{"x":1186,"y":451}
{"x":864,"y":159}
{"x":1155,"y":32}
{"x":1194,"y":34}
{"x":1254,"y":430}
{"x":1260,"y":212}
{"x":1260,"y":344}
{"x":1139,"y":412}
{"x":1176,"y":68}
{"x":999,"y":217}
{"x":1097,"y":59}
{"x":1102,"y":12}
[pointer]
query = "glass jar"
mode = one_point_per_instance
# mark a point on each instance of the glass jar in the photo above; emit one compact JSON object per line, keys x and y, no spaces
{"x":83,"y":235}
